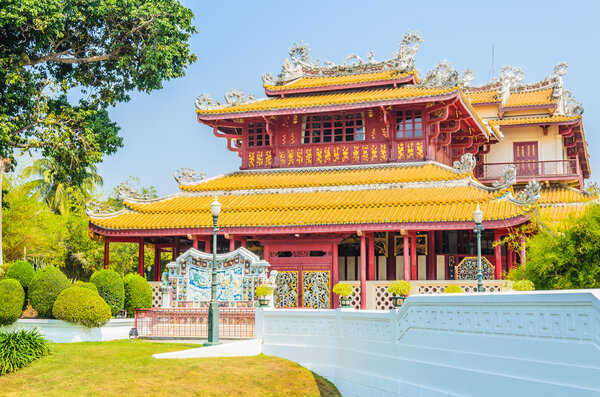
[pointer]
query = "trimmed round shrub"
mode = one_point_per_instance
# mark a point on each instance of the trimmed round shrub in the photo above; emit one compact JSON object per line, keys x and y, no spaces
{"x":83,"y":284}
{"x":12,"y":297}
{"x":138,"y":293}
{"x":453,"y":289}
{"x":22,"y":271}
{"x":83,"y":306}
{"x":523,"y":285}
{"x":111,"y":289}
{"x":45,"y":287}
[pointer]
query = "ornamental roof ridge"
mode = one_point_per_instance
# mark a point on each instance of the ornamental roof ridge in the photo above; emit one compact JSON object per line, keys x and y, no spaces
{"x":300,"y":64}
{"x":93,"y":215}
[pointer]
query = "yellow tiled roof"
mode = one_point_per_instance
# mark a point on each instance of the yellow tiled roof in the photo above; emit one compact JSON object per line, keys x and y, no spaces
{"x":563,"y":194}
{"x":486,"y":96}
{"x":560,"y":215}
{"x":534,"y":120}
{"x":312,"y":82}
{"x":313,"y":177}
{"x":357,"y":195}
{"x":530,"y":98}
{"x":331,"y":99}
{"x":435,"y":204}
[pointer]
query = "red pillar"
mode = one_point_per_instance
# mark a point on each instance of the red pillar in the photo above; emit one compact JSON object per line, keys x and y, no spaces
{"x":391,"y":258}
{"x":141,"y":257}
{"x":156,"y":264}
{"x":195,"y":243}
{"x":509,"y":258}
{"x":335,"y":272}
{"x":371,"y":264}
{"x":406,"y":258}
{"x":177,"y":249}
{"x":363,"y":272}
{"x":430,"y":255}
{"x":413,"y":255}
{"x":523,"y":251}
{"x":231,"y":243}
{"x":243,"y":242}
{"x":498,"y":254}
{"x":207,"y":247}
{"x":106,"y":253}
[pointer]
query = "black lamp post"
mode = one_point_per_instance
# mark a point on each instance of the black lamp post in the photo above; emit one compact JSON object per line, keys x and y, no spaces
{"x":478,"y":218}
{"x":213,"y":310}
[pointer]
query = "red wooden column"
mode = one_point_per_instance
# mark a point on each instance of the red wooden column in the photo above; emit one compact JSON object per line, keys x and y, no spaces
{"x":141,"y":257}
{"x":195,"y":243}
{"x":406,"y":254}
{"x":243,"y":242}
{"x":523,"y":251}
{"x":371,"y":264}
{"x":335,"y":271}
{"x":413,"y":255}
{"x":106,"y":253}
{"x":431,"y":256}
{"x":207,"y":245}
{"x":498,"y":254}
{"x":156,"y":264}
{"x":176,"y":249}
{"x":231,"y":243}
{"x":391,"y":258}
{"x":363,"y":272}
{"x":509,"y":259}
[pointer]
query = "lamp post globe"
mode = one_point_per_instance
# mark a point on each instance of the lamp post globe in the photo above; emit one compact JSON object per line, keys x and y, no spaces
{"x":213,"y":309}
{"x":478,"y":218}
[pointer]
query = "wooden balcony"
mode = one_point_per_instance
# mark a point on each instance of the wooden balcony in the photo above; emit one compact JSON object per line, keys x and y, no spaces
{"x":551,"y":170}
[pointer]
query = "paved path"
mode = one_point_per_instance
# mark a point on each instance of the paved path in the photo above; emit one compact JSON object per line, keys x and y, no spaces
{"x":243,"y":348}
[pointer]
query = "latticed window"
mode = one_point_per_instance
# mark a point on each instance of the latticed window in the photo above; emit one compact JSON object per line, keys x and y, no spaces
{"x":257,"y":135}
{"x":409,"y":124}
{"x":339,"y":127}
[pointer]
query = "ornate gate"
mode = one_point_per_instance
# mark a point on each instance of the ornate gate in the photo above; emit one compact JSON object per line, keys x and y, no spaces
{"x":304,"y":276}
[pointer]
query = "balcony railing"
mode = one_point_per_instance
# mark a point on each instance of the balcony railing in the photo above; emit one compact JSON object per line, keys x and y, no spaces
{"x":550,"y":170}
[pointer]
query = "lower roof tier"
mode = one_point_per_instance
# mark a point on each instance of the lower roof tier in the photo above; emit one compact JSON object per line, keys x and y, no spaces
{"x":396,"y":194}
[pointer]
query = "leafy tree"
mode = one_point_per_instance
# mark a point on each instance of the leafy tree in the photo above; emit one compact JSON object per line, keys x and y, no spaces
{"x":96,"y":50}
{"x":565,"y":260}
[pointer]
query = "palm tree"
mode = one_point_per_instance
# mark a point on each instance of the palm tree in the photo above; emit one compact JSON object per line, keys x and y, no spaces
{"x":58,"y":188}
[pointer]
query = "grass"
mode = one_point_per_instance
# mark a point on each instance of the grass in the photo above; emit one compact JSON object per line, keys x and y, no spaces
{"x":127,"y":369}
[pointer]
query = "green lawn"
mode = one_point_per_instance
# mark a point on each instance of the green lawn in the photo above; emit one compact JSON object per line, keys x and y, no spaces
{"x":127,"y":368}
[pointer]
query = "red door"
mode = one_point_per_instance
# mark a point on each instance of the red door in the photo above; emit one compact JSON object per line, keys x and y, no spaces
{"x":526,"y":158}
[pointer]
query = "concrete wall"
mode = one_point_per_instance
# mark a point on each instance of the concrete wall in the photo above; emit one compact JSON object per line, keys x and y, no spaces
{"x":495,"y":344}
{"x":58,"y":331}
{"x":550,"y":147}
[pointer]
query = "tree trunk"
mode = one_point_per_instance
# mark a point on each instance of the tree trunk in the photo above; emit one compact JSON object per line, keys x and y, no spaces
{"x":4,"y":163}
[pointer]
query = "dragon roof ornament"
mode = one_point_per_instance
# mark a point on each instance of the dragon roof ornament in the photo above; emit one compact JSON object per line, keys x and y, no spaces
{"x":233,"y":97}
{"x":508,"y":177}
{"x":300,"y":64}
{"x":445,"y":75}
{"x":96,"y":207}
{"x":126,"y":191}
{"x":185,"y":176}
{"x":530,"y":194}
{"x":592,"y":189}
{"x":465,"y":164}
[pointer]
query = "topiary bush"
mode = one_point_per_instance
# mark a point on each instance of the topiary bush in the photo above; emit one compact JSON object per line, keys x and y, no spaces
{"x":80,"y":305}
{"x":19,"y":348}
{"x":12,"y":297}
{"x":453,"y":289}
{"x":23,"y":272}
{"x":523,"y":285}
{"x":83,"y":284}
{"x":111,"y":289}
{"x":138,"y":293}
{"x":45,"y":287}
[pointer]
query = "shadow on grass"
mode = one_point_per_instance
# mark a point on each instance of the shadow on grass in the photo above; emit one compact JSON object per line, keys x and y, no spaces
{"x":326,"y":388}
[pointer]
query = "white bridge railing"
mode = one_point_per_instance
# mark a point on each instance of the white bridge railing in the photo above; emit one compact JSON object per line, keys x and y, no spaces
{"x":493,"y":344}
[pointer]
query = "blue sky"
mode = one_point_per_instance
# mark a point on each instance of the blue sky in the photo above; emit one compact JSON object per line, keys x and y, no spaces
{"x":240,"y":40}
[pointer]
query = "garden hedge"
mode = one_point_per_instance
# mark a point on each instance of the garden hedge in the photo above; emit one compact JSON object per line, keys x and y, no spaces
{"x":22,"y":271}
{"x":138,"y":293}
{"x":20,"y":348}
{"x":82,"y":284}
{"x":81,"y":305}
{"x":111,"y":289}
{"x":45,"y":287}
{"x":12,"y":297}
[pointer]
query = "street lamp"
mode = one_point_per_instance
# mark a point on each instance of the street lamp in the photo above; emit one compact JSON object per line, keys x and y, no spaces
{"x":213,"y":309}
{"x":478,"y":218}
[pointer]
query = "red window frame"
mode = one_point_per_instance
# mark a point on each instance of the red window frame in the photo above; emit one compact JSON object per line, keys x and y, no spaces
{"x":409,"y":124}
{"x":333,"y":127}
{"x":257,"y":134}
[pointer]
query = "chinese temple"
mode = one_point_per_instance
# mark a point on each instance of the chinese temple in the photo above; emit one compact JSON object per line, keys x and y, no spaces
{"x":367,"y":171}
